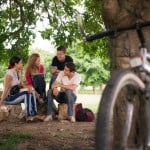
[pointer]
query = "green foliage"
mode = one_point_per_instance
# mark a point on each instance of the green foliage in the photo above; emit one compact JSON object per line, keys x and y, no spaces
{"x":19,"y":18}
{"x":93,"y":68}
{"x":3,"y":71}
{"x":62,"y":20}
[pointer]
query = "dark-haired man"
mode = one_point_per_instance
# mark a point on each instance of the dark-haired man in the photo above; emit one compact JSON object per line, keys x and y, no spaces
{"x":63,"y":90}
{"x":58,"y":63}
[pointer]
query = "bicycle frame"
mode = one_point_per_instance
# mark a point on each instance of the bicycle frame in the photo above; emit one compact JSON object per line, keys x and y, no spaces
{"x":145,"y":57}
{"x":141,"y":63}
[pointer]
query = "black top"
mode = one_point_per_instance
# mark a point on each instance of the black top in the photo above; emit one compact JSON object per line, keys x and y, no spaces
{"x":60,"y":64}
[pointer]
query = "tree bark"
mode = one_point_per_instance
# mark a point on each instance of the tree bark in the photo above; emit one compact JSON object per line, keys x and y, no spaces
{"x":125,"y":45}
{"x":122,"y":13}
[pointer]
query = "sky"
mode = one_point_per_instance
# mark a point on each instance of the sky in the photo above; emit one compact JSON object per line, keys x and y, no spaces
{"x":39,"y":42}
{"x":42,"y":44}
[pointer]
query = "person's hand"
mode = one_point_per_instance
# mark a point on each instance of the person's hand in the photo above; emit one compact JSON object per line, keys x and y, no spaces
{"x":55,"y":86}
{"x":57,"y":71}
{"x":30,"y":89}
{"x":58,"y":84}
{"x":37,"y":95}
{"x":55,"y":91}
{"x":54,"y":70}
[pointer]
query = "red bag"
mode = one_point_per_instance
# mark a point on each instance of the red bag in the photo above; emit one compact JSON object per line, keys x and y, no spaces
{"x":83,"y":114}
{"x":78,"y":107}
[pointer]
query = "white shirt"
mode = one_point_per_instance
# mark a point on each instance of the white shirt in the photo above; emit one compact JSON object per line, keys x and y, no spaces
{"x":15,"y":78}
{"x":62,"y":78}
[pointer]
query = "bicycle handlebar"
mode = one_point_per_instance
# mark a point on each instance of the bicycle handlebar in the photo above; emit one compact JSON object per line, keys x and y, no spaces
{"x":112,"y":32}
{"x":99,"y":35}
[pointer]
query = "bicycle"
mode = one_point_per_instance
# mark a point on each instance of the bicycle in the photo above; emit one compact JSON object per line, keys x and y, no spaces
{"x":131,"y":88}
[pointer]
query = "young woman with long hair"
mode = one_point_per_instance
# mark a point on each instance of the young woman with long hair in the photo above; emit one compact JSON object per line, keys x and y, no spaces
{"x":34,"y":74}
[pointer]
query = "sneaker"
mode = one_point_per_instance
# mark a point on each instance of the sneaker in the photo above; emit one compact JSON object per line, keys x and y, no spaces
{"x":72,"y":119}
{"x":48,"y":118}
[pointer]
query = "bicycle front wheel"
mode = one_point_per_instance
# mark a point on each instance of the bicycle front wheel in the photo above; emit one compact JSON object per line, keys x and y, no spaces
{"x":118,"y":124}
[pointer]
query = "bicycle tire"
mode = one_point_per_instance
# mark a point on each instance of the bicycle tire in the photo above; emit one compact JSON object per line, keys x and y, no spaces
{"x":121,"y":80}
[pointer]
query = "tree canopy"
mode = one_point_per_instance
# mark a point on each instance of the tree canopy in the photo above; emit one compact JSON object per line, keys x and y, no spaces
{"x":19,"y":17}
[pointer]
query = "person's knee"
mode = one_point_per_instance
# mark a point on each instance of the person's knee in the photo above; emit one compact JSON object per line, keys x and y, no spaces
{"x":68,"y":92}
{"x":49,"y":96}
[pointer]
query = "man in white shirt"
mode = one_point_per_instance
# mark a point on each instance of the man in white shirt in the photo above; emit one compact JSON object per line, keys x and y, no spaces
{"x":64,"y":90}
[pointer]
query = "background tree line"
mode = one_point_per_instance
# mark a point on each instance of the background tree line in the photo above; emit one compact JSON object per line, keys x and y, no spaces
{"x":93,"y":72}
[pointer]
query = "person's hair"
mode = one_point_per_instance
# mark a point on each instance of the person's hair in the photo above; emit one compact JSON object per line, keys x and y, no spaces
{"x":71,"y":66}
{"x":61,"y":48}
{"x":13,"y":60}
{"x":31,"y":63}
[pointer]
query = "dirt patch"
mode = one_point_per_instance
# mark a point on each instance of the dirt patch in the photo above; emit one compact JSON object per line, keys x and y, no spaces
{"x":52,"y":135}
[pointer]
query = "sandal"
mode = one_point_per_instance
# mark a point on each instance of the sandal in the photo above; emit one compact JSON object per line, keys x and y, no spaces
{"x":39,"y":118}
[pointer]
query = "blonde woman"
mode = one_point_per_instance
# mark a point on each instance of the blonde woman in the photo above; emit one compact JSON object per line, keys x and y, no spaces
{"x":34,"y":74}
{"x":13,"y":97}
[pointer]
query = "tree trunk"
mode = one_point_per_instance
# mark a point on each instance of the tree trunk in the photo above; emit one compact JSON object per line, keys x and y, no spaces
{"x":122,"y":13}
{"x":125,"y":45}
{"x":94,"y":90}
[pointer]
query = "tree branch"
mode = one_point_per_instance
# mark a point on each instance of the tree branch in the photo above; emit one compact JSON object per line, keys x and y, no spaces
{"x":46,"y":8}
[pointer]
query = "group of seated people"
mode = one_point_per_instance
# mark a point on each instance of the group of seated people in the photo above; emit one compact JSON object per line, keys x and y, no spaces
{"x":63,"y":85}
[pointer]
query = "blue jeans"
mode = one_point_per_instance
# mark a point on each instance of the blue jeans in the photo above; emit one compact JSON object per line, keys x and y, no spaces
{"x":63,"y":97}
{"x":28,"y":98}
{"x":39,"y":84}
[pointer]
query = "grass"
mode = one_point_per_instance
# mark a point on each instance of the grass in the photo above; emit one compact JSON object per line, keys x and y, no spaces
{"x":93,"y":107}
{"x":90,"y":101}
{"x":10,"y":140}
{"x":83,"y":91}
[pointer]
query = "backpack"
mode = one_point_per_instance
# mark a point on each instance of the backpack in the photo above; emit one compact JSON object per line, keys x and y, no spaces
{"x":15,"y":89}
{"x":83,"y":114}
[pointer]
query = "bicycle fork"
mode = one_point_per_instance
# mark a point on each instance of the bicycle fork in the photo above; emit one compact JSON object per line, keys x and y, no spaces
{"x":129,"y":117}
{"x":145,"y":113}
